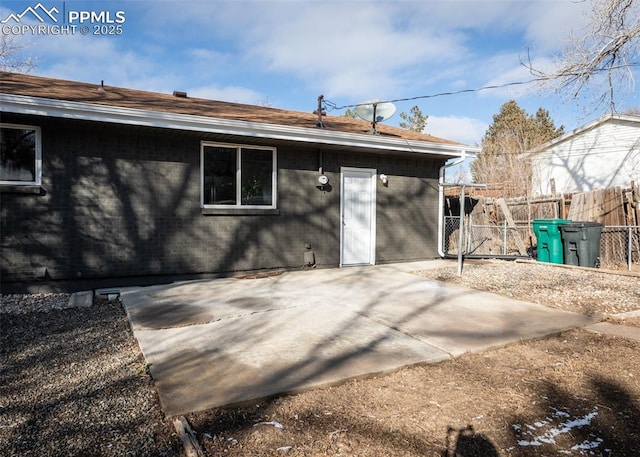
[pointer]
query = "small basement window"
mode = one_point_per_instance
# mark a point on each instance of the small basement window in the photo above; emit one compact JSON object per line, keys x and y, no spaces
{"x":236,"y":176}
{"x":20,"y":155}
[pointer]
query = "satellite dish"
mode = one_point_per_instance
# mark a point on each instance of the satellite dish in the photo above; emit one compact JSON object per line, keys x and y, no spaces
{"x":375,"y":111}
{"x":370,"y":108}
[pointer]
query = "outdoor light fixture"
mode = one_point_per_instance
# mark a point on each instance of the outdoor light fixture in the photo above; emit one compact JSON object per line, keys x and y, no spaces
{"x":384,"y":179}
{"x":323,"y":180}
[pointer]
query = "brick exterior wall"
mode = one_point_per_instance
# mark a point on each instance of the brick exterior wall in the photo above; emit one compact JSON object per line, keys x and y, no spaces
{"x":122,"y":201}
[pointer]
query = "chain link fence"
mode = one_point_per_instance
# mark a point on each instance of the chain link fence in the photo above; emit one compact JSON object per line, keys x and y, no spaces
{"x":619,"y":245}
{"x":486,"y":240}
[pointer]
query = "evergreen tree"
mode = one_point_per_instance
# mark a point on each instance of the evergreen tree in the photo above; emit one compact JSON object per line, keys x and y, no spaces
{"x":415,"y":120}
{"x":349,"y":113}
{"x":505,"y":160}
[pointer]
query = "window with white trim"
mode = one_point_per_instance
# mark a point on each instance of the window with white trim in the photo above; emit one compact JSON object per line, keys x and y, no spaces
{"x":237,"y":176}
{"x":20,"y":155}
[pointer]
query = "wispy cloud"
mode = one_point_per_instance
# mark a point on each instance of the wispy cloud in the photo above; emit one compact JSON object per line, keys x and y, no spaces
{"x":463,"y":129}
{"x":291,"y":51}
{"x":228,"y":93}
{"x":354,"y":49}
{"x":92,"y":59}
{"x":548,"y":25}
{"x":348,"y":49}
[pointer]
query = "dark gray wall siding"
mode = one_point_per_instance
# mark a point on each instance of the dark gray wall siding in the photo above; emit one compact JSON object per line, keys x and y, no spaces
{"x":125,"y":201}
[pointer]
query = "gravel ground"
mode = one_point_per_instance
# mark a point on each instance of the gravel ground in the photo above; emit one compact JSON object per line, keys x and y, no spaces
{"x":33,"y":303}
{"x":594,"y":293}
{"x":73,"y":382}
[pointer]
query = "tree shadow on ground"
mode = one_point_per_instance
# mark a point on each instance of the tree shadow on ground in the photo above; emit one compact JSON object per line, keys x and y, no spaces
{"x":221,"y":430}
{"x":590,"y":413}
{"x":341,"y":435}
{"x":601,"y":421}
{"x":71,"y":384}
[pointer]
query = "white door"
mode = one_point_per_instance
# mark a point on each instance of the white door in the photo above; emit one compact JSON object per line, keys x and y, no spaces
{"x":358,"y":214}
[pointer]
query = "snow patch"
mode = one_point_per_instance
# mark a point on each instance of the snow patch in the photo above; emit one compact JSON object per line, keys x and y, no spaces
{"x":560,"y":423}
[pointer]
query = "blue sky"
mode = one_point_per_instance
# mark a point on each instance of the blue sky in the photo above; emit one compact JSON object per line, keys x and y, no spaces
{"x":285,"y":53}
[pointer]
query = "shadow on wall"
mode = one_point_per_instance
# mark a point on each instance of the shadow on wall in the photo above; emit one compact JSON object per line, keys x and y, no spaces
{"x":125,"y":203}
{"x":406,"y":208}
{"x":589,"y":164}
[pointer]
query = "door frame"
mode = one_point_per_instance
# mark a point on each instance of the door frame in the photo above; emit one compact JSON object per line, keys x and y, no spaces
{"x":373,"y":174}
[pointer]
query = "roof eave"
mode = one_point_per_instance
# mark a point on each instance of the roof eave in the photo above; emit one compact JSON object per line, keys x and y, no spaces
{"x":38,"y":106}
{"x":584,"y":128}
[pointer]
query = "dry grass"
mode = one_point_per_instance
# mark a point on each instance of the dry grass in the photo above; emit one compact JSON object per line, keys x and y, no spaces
{"x":500,"y":402}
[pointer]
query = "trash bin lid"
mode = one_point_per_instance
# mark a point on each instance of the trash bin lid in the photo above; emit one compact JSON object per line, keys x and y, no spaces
{"x":550,"y":221}
{"x":582,"y":224}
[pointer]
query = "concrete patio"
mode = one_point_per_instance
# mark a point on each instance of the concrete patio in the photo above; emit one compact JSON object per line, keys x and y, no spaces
{"x":219,"y":342}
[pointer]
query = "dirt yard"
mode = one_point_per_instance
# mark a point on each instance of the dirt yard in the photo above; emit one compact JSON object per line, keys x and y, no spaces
{"x":74,"y":383}
{"x":572,"y":394}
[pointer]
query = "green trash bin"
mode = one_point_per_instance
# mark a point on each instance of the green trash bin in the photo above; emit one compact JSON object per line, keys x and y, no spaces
{"x":581,"y":242}
{"x":549,"y":241}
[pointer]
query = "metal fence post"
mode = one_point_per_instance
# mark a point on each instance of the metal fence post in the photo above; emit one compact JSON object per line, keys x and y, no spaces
{"x":461,"y":228}
{"x":504,"y":238}
{"x":629,"y":251}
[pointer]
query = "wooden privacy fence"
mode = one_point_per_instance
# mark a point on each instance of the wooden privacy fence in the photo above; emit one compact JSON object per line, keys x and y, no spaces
{"x":499,"y":226}
{"x":613,"y":206}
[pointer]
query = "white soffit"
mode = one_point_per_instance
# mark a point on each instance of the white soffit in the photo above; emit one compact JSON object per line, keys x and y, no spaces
{"x":36,"y":106}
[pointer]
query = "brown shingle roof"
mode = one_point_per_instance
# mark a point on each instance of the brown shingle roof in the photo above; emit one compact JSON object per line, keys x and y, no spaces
{"x":58,"y":89}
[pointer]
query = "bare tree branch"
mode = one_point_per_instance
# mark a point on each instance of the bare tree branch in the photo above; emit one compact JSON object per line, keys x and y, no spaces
{"x":11,"y":55}
{"x":600,"y":57}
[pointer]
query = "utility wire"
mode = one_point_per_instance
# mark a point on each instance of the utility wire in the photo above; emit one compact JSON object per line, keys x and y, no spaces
{"x":332,"y":106}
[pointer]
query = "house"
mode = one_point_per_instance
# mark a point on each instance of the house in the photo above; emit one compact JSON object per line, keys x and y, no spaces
{"x":104,"y":182}
{"x":604,"y":153}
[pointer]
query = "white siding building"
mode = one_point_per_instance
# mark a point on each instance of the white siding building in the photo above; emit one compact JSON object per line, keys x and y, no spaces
{"x":601,"y":154}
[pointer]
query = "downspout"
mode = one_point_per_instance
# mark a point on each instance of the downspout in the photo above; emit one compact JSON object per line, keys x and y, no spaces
{"x":462,"y":158}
